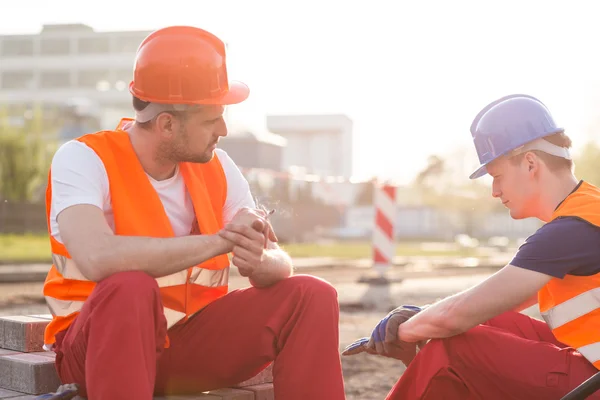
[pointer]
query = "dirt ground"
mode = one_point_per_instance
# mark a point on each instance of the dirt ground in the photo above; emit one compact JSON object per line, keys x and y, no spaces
{"x":366,"y":377}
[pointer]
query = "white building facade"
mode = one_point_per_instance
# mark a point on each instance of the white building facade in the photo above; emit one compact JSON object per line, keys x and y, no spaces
{"x":319,"y":144}
{"x":70,"y":64}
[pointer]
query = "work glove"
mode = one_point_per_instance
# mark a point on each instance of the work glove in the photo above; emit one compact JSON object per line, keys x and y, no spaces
{"x":64,"y":392}
{"x":384,"y":338}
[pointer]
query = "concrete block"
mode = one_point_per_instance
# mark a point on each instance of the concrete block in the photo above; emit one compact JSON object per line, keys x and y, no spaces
{"x":50,"y":354}
{"x":42,"y":316}
{"x":23,"y":333}
{"x":232,"y":394}
{"x":7,"y":394}
{"x":25,"y":397}
{"x":264,"y":376}
{"x":28,"y":373}
{"x":263,"y":391}
{"x":4,"y":352}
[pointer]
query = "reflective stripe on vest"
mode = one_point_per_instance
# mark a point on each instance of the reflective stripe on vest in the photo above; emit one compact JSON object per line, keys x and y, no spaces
{"x":573,"y":308}
{"x":591,"y":352}
{"x":199,"y":276}
{"x":63,"y":308}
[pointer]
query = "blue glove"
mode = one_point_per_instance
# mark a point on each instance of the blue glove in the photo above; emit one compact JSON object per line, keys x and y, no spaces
{"x":64,"y":392}
{"x":384,"y":337}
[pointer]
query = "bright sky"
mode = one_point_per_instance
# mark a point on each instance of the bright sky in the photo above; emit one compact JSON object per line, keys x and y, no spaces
{"x":411,"y":74}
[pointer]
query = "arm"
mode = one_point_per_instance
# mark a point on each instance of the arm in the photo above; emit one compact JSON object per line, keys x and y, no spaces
{"x":80,"y":191}
{"x":560,"y":247}
{"x":527,"y":303}
{"x":276,"y":265}
{"x":99,"y":253}
{"x":503,"y":291}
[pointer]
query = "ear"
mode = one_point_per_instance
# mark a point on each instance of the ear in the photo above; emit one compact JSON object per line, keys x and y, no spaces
{"x":167,"y":124}
{"x":532,"y":162}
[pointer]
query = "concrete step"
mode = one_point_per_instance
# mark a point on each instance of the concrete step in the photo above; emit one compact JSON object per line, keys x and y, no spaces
{"x":30,"y":373}
{"x":26,"y":370}
{"x":23,"y":333}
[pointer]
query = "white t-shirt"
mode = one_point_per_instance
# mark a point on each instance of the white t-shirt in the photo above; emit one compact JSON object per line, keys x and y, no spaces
{"x":79,"y":177}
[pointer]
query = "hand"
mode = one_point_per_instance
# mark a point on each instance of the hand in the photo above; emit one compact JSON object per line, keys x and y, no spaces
{"x":248,"y":245}
{"x":257,"y":218}
{"x":384,"y":338}
{"x":268,"y":230}
{"x":248,"y":216}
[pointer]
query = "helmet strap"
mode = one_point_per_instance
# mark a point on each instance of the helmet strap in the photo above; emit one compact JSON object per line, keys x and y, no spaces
{"x":544,"y":146}
{"x":153,"y":109}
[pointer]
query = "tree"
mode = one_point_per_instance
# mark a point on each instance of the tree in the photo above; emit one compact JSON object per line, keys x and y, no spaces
{"x":587,"y":164}
{"x":442,"y":184}
{"x":24,"y":163}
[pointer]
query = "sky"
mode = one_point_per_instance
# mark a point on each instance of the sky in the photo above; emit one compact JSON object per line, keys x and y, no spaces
{"x":411,"y":74}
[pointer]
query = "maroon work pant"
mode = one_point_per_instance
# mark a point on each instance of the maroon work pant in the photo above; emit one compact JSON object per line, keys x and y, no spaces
{"x":511,"y":356}
{"x":115,"y":348}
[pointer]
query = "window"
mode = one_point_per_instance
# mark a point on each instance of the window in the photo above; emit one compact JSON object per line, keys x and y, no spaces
{"x":124,"y":75}
{"x":128,"y":44}
{"x":55,"y":46}
{"x":91,"y":78}
{"x":55,"y":79}
{"x":93,"y":45}
{"x":17,"y":47}
{"x":17,"y":80}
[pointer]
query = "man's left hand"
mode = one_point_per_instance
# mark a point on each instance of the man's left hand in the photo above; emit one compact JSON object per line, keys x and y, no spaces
{"x":249,"y":245}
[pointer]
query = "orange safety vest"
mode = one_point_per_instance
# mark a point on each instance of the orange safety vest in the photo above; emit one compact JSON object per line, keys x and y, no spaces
{"x":138,"y":211}
{"x":571,"y":306}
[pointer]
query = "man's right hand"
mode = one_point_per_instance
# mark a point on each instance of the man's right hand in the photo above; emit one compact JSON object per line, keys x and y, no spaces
{"x":256,"y":219}
{"x":384,"y":338}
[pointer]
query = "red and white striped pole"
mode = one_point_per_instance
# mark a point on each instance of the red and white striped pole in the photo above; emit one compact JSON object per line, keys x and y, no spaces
{"x":384,"y":247}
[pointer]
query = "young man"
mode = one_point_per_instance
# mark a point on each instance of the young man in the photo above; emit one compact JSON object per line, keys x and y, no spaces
{"x":481,"y":347}
{"x":141,"y":221}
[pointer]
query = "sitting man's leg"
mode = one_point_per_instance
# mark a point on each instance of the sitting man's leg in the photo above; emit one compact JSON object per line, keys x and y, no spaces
{"x":509,"y":357}
{"x":111,"y":348}
{"x":294,"y":322}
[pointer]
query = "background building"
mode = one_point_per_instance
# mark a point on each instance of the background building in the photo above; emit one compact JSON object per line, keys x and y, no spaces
{"x":74,"y":74}
{"x":321,"y":144}
{"x":250,"y":149}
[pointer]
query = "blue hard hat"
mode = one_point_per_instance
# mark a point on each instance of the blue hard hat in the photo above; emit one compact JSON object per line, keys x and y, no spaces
{"x":507,"y":124}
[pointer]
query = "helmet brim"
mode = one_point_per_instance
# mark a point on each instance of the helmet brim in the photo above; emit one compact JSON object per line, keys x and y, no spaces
{"x":237,"y":93}
{"x":479,"y":172}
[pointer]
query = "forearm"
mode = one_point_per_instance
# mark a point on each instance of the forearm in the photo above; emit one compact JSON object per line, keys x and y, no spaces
{"x":526,"y":304}
{"x":431,"y":323}
{"x":276,"y":266}
{"x":156,"y":256}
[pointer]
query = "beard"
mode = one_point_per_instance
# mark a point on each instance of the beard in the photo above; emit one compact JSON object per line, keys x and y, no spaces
{"x":178,"y":150}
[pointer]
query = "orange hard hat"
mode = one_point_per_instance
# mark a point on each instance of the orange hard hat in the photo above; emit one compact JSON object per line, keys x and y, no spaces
{"x":184,"y":65}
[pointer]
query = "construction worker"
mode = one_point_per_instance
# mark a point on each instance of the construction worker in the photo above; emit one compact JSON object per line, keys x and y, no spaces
{"x":141,"y":221}
{"x":476,"y":344}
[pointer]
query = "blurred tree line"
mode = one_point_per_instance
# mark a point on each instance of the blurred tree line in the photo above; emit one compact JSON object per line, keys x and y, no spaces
{"x":25,"y":156}
{"x":444,"y":184}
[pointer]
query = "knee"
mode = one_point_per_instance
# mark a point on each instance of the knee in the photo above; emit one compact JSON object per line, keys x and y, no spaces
{"x":131,"y":283}
{"x":464,"y":347}
{"x":313,"y":287}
